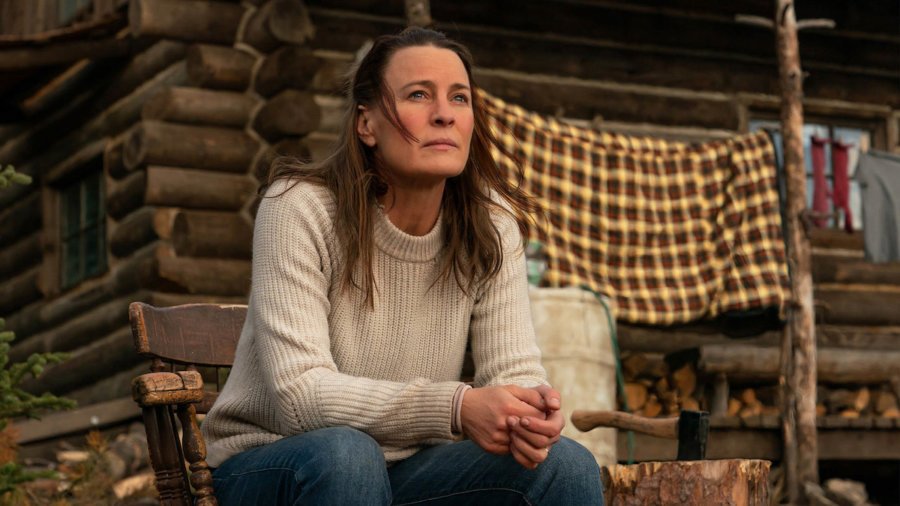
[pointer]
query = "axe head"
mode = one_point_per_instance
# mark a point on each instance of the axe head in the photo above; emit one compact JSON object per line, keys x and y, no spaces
{"x":693,"y":429}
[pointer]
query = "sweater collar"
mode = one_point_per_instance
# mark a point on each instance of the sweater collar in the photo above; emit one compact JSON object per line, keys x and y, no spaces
{"x":406,"y":247}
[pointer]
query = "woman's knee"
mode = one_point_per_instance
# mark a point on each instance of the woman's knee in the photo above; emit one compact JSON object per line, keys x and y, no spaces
{"x":571,"y":472}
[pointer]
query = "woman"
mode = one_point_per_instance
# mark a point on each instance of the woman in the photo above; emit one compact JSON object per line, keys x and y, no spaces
{"x":371,"y":270}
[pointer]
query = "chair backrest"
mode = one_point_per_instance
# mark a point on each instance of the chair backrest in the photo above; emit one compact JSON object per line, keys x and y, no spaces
{"x":184,"y":343}
{"x":196,"y":336}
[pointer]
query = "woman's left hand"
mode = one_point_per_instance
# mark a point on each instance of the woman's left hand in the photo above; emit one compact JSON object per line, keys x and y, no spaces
{"x":531,"y":438}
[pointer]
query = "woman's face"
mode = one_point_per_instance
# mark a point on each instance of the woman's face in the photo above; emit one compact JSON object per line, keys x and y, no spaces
{"x":434,"y":102}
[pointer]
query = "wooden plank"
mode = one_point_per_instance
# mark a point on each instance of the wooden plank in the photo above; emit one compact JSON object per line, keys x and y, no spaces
{"x":588,"y":58}
{"x":858,"y":304}
{"x":833,"y":444}
{"x":78,"y":420}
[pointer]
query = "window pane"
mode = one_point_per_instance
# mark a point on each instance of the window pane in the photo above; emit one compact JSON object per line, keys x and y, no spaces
{"x":71,"y":265}
{"x":91,"y":245}
{"x":91,"y":200}
{"x":70,"y":208}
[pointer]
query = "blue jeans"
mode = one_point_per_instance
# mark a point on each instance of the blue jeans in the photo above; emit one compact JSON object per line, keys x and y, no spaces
{"x":343,"y":466}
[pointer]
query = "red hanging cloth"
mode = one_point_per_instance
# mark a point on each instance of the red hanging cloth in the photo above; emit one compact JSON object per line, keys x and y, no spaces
{"x":841,"y":197}
{"x":820,"y":183}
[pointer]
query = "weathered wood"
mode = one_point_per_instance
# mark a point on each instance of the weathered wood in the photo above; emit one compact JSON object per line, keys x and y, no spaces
{"x":113,"y":164}
{"x":20,"y":255}
{"x":278,"y":22}
{"x":123,"y":278}
{"x":197,"y":189}
{"x":752,"y":363}
{"x":78,"y":331}
{"x":19,"y":290}
{"x":669,"y":340}
{"x":291,"y":112}
{"x":623,"y":102}
{"x":333,"y":70}
{"x":63,"y":52}
{"x":201,"y":334}
{"x":165,"y":382}
{"x":158,"y":143}
{"x":140,"y":228}
{"x":213,"y":276}
{"x":21,"y":218}
{"x":859,"y":304}
{"x":126,"y":195}
{"x":81,"y":419}
{"x":88,"y":364}
{"x":218,"y":67}
{"x":197,"y":106}
{"x":832,"y":238}
{"x":190,"y":20}
{"x":114,"y":386}
{"x":212,"y":234}
{"x":157,"y":66}
{"x":195,"y":454}
{"x":797,"y":374}
{"x":739,"y":482}
{"x":842,"y":269}
{"x":288,"y":67}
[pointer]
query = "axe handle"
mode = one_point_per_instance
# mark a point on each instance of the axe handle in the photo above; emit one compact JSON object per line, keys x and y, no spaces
{"x":659,"y":427}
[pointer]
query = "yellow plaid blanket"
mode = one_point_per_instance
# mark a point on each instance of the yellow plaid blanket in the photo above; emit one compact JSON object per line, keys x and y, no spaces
{"x":673,"y":232}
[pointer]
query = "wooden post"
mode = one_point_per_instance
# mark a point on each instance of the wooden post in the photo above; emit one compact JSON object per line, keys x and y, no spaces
{"x":798,"y":351}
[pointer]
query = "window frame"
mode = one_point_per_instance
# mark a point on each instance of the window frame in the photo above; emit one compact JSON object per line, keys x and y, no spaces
{"x":75,"y":168}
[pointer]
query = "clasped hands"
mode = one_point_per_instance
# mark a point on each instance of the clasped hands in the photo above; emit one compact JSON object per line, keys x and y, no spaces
{"x":511,"y":419}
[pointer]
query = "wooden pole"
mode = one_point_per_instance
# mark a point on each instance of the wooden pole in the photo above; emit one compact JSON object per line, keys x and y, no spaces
{"x":798,"y":351}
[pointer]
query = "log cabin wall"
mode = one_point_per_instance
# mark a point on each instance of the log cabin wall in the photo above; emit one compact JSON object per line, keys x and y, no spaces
{"x":186,"y":126}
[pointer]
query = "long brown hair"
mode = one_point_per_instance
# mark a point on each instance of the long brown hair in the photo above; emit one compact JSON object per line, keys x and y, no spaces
{"x":474,"y":250}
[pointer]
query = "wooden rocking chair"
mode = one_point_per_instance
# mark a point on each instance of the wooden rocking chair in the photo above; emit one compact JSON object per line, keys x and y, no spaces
{"x":179,"y":340}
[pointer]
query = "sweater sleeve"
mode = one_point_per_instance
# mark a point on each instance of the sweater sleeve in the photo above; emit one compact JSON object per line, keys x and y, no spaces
{"x":504,"y":346}
{"x":289,"y":306}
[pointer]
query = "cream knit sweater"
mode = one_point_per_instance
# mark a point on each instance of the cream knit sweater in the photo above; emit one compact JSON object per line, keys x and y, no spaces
{"x":312,"y":355}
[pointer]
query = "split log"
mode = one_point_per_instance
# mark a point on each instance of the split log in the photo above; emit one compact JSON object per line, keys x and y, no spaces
{"x":157,"y":143}
{"x":751,"y":363}
{"x":21,"y":255}
{"x":690,"y":404}
{"x":197,"y":106}
{"x":885,"y":401}
{"x":734,"y":407}
{"x":291,"y":112}
{"x":279,"y":22}
{"x":685,"y":380}
{"x":113,"y":163}
{"x":843,"y":399}
{"x":190,"y":20}
{"x":197,"y":189}
{"x":218,"y":67}
{"x":739,"y":482}
{"x":212,"y":234}
{"x":635,"y":396}
{"x":652,"y":407}
{"x":859,"y":304}
{"x":288,"y":67}
{"x":19,"y":291}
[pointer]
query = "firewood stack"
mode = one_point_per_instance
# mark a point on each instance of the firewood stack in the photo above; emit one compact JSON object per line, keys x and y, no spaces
{"x":653,"y":387}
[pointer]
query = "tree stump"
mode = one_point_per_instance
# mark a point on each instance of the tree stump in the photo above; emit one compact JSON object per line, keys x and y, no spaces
{"x":734,"y":482}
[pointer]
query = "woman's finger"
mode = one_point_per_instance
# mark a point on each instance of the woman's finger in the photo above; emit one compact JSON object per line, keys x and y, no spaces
{"x":551,"y":427}
{"x":532,"y":453}
{"x":535,"y":439}
{"x":521,"y":458}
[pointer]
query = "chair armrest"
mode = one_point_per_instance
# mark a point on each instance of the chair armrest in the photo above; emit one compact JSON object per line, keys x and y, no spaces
{"x":167,"y":388}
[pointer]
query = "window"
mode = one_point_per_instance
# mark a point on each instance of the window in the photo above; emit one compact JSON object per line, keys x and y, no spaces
{"x":82,"y":230}
{"x":857,"y":140}
{"x":70,"y":10}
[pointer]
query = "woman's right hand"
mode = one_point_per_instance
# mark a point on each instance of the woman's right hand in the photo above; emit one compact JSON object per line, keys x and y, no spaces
{"x":485,"y":412}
